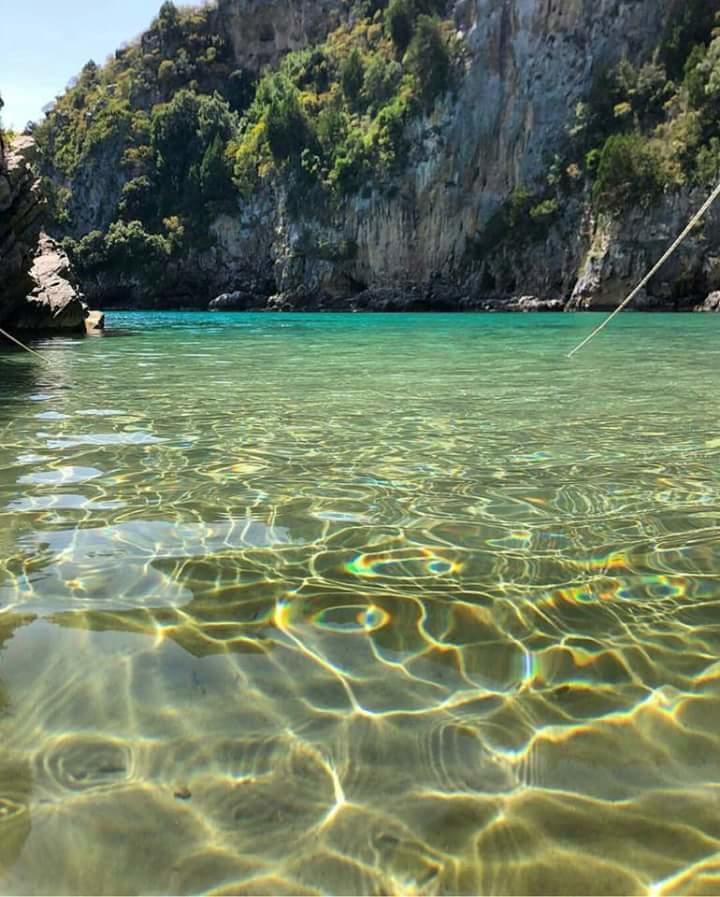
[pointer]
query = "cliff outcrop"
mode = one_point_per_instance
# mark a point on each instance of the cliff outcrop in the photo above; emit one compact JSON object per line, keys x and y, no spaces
{"x":37,"y":291}
{"x":261,"y":32}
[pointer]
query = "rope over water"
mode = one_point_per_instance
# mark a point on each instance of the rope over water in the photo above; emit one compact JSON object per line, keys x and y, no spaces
{"x":22,"y":345}
{"x":693,"y":221}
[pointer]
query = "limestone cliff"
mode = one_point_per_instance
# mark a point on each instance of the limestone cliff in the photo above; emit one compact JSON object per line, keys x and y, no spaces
{"x":37,"y":292}
{"x":528,"y":63}
{"x":420,"y":237}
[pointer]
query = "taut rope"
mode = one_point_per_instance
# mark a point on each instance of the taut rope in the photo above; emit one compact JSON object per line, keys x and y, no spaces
{"x":693,"y":221}
{"x":22,"y":345}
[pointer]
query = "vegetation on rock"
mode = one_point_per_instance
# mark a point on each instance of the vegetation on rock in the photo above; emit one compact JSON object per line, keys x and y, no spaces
{"x":192,"y":133}
{"x":643,"y":131}
{"x":656,"y":127}
{"x":335,"y":116}
{"x":175,"y":132}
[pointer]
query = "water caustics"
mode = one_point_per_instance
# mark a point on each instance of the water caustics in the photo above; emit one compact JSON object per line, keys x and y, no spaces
{"x":346,"y":604}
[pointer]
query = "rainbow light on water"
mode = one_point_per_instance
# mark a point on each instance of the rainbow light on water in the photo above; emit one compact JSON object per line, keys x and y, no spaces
{"x":414,"y":562}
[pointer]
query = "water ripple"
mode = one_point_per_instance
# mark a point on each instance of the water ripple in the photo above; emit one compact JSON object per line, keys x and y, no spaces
{"x":349,"y":605}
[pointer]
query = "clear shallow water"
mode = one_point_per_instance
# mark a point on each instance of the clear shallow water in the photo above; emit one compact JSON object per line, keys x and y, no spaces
{"x":347,"y":604}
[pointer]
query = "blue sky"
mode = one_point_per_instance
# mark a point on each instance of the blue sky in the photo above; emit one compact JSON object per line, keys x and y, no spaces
{"x":46,"y":42}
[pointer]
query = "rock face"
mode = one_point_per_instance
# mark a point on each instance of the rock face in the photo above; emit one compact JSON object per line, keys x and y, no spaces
{"x":37,"y":291}
{"x":262,"y":31}
{"x":621,"y":252}
{"x":528,"y":63}
{"x":413,"y":244}
{"x":54,"y":302}
{"x":21,"y":214}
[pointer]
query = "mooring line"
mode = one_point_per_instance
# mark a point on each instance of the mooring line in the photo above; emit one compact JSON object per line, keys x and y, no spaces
{"x":643,"y":283}
{"x":22,"y":345}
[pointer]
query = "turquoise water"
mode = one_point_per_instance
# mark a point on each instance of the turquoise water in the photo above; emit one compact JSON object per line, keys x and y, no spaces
{"x":361,"y":604}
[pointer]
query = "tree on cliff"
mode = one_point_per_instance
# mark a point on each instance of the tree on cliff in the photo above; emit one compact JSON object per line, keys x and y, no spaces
{"x":399,"y":20}
{"x":183,"y":130}
{"x":429,"y":60}
{"x":287,"y":127}
{"x":168,"y":17}
{"x":214,"y":171}
{"x":352,"y":75}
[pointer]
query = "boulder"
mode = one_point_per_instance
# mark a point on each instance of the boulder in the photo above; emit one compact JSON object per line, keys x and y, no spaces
{"x":95,"y":322}
{"x":712,"y":303}
{"x":533,"y":303}
{"x":53,"y":302}
{"x":237,"y":301}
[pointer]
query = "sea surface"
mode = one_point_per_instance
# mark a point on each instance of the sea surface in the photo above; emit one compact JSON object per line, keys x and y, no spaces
{"x":344,"y":604}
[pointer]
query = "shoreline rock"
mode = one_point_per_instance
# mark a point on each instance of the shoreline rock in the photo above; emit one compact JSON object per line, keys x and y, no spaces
{"x":712,"y":303}
{"x":384,"y":300}
{"x":37,"y":290}
{"x":95,"y":322}
{"x":237,"y":301}
{"x":54,"y":302}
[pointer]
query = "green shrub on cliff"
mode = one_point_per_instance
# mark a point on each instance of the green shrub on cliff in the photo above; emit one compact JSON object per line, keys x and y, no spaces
{"x":287,"y":127}
{"x":335,"y":117}
{"x":428,"y":59}
{"x":655,"y":127}
{"x":525,"y":217}
{"x":128,"y":244}
{"x":182,"y":132}
{"x":352,"y":76}
{"x":708,"y":163}
{"x":629,"y":172}
{"x":381,"y":82}
{"x":688,"y":28}
{"x":402,"y":19}
{"x":400,"y":22}
{"x":138,"y":199}
{"x":126,"y":248}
